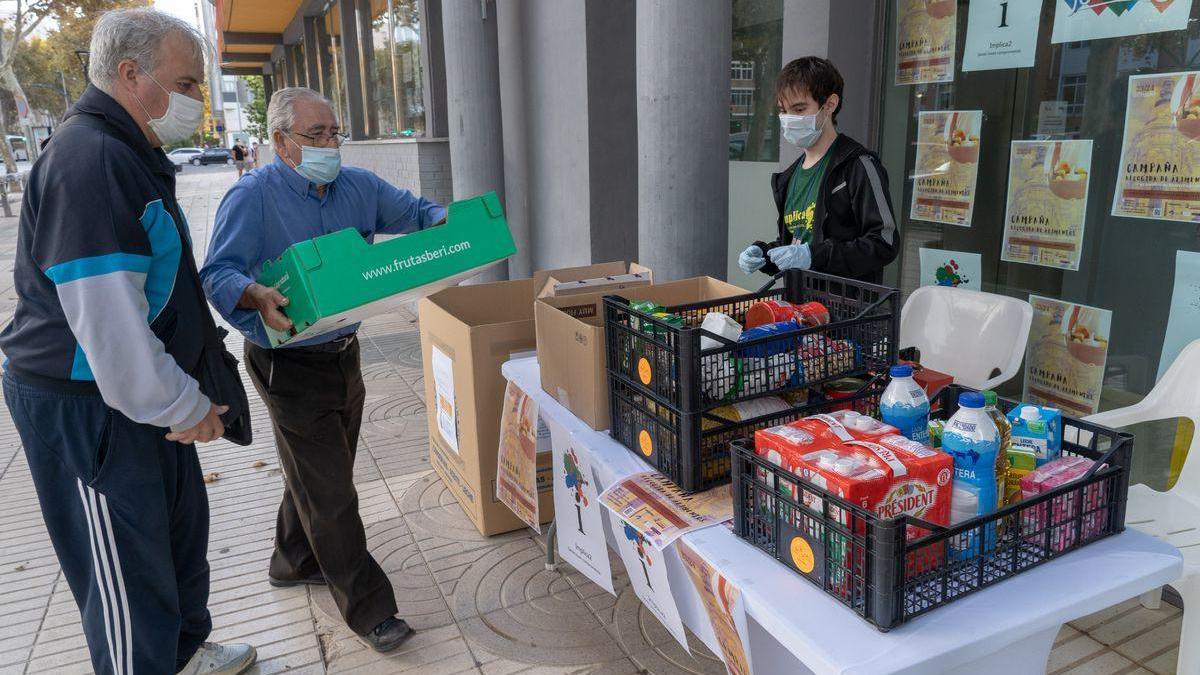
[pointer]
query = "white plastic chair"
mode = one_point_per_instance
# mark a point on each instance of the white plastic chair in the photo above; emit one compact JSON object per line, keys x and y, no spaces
{"x":967,"y":334}
{"x":1173,"y":516}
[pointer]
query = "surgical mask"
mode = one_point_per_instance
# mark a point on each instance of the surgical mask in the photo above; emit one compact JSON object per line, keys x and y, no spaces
{"x":800,"y":130}
{"x":319,"y":165}
{"x":181,"y":120}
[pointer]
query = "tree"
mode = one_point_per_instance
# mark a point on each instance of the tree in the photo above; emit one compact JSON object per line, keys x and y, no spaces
{"x":256,"y":109}
{"x":73,"y":16}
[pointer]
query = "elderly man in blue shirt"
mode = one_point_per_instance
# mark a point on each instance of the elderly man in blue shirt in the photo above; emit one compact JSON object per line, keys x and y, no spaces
{"x":313,"y":389}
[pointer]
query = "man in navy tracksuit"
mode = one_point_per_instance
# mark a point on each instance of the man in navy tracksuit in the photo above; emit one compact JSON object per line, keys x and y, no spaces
{"x":106,"y":334}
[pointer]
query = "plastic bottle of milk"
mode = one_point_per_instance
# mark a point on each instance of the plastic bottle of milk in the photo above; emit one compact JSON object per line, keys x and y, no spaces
{"x":905,"y":406}
{"x":972,"y":439}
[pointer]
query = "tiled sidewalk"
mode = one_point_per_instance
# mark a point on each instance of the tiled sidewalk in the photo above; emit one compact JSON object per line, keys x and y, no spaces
{"x":479,"y":605}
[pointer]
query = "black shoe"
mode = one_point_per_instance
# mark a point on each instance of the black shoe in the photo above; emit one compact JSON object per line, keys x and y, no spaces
{"x":315,"y":580}
{"x":388,"y":635}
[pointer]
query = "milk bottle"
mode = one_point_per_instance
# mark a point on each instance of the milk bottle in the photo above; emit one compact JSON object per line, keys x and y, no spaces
{"x":972,"y":439}
{"x":905,"y":406}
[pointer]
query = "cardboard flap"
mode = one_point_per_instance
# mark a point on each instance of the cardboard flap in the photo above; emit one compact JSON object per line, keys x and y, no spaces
{"x":492,"y":203}
{"x":309,"y":255}
{"x":598,"y":278}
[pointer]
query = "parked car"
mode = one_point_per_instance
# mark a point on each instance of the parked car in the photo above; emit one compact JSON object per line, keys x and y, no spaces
{"x":181,"y":156}
{"x":213,"y":156}
{"x":19,"y":148}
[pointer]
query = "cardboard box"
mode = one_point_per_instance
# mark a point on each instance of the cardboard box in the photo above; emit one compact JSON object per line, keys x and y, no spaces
{"x":599,"y":278}
{"x":339,"y":279}
{"x":467,"y":333}
{"x":571,"y":344}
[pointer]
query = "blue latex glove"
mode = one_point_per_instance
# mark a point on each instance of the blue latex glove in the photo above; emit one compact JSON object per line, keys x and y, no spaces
{"x":791,"y":257}
{"x":751,"y":260}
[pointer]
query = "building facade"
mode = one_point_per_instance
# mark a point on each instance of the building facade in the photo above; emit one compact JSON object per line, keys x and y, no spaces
{"x":647,"y":129}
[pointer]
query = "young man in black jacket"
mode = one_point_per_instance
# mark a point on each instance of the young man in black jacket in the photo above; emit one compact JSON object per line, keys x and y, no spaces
{"x":835,"y":215}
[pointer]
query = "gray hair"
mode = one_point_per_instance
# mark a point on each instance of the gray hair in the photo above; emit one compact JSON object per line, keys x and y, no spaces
{"x":133,"y":34}
{"x":281,"y":113}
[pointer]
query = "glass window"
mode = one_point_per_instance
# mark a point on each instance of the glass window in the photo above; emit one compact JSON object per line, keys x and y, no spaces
{"x":757,"y":55}
{"x":1074,"y":91}
{"x":395,"y":73}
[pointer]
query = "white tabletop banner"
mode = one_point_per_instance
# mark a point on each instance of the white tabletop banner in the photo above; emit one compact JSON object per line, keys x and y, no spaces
{"x":647,"y":570}
{"x":577,"y":508}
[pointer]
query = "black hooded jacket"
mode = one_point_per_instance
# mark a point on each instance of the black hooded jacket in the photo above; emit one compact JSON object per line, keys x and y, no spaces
{"x":854,"y":227}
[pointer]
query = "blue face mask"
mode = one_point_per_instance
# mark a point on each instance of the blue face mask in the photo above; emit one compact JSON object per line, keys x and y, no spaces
{"x":319,"y":165}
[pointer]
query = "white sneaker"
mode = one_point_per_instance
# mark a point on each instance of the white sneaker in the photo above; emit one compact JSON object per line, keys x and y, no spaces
{"x":214,"y":659}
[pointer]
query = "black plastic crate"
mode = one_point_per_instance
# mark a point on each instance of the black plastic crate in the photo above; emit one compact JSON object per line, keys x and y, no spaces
{"x":868,"y":563}
{"x":667,"y":361}
{"x":693,"y":449}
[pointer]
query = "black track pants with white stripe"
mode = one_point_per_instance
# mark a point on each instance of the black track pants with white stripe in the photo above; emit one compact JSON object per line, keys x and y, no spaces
{"x":127,"y":512}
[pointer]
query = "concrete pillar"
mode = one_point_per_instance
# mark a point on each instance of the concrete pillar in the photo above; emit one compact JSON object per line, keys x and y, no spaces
{"x":683,"y":52}
{"x":433,"y":67}
{"x":511,"y":17}
{"x":473,"y":103}
{"x":352,"y":69}
{"x":268,"y":87}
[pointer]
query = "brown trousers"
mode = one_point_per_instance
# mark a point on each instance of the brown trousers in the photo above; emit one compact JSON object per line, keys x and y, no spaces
{"x":315,"y":400}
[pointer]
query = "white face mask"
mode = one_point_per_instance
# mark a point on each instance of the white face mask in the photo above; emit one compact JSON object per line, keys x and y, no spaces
{"x":800,"y":130}
{"x":181,"y":120}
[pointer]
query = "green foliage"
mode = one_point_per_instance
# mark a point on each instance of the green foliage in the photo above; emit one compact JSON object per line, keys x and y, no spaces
{"x":256,"y":109}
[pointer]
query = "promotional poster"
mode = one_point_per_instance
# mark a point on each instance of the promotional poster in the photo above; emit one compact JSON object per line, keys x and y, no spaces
{"x":1159,"y":173}
{"x":926,"y":31}
{"x":1047,"y":203}
{"x":516,"y":468}
{"x":723,"y":603}
{"x":1065,"y":357}
{"x":647,"y":570}
{"x":946,"y":166}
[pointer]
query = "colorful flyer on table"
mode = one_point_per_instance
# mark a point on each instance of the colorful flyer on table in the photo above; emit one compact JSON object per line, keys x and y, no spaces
{"x":725,"y":608}
{"x":1047,"y":203}
{"x":661,"y":511}
{"x":516,"y":466}
{"x":946,"y":166}
{"x":577,"y":509}
{"x":999,"y":35}
{"x":1077,"y":20}
{"x":1159,"y":173}
{"x":956,"y":269}
{"x":1064,"y":362}
{"x":926,"y":31}
{"x":1183,"y":323}
{"x":647,"y":570}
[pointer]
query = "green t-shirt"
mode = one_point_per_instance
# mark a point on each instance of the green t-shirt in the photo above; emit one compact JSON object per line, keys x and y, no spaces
{"x":800,"y":207}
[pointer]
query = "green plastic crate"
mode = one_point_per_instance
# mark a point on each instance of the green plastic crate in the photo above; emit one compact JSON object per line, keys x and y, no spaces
{"x":338,"y":279}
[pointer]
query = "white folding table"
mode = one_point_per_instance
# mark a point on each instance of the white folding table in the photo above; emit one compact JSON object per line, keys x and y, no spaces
{"x":1006,"y":629}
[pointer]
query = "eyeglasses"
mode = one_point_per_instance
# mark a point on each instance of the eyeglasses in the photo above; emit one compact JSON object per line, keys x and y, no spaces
{"x":325,"y":139}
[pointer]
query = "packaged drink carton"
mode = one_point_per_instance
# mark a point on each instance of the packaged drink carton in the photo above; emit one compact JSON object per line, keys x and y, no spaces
{"x":936,"y":428}
{"x":972,"y":440}
{"x":905,"y":406}
{"x":1084,"y":509}
{"x":1021,"y":461}
{"x":1039,"y":429}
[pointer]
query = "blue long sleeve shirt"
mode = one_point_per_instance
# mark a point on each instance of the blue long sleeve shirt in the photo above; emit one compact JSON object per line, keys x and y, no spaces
{"x":274,"y":207}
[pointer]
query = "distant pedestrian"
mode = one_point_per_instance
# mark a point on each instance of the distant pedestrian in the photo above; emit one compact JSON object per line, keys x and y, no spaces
{"x":239,"y":157}
{"x":101,"y":376}
{"x":254,"y":155}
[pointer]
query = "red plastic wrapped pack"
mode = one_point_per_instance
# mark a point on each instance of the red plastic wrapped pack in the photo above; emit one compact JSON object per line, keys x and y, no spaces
{"x":1054,"y":524}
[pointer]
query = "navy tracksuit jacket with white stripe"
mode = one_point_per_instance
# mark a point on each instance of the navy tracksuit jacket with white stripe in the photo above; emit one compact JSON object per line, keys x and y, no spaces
{"x":100,"y":350}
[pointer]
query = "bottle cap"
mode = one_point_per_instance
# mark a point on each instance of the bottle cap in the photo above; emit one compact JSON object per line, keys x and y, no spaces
{"x":1030,"y":414}
{"x":989,"y":398}
{"x":901,"y":371}
{"x":970,"y":399}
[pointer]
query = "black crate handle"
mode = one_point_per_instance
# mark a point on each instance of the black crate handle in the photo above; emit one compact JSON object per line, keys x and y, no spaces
{"x":1103,"y":460}
{"x":772,"y":282}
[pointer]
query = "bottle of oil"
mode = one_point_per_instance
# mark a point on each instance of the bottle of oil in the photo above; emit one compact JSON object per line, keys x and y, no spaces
{"x":1005,"y":429}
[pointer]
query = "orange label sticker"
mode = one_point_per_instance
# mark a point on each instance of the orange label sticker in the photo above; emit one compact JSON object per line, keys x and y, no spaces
{"x":644,"y":372}
{"x":802,"y":555}
{"x":645,"y":443}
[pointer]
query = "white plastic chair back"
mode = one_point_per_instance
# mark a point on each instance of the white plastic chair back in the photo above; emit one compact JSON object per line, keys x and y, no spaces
{"x":1177,"y":394}
{"x":967,"y":334}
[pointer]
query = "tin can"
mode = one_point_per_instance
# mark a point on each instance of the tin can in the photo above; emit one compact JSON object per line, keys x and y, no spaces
{"x":777,"y":311}
{"x":842,"y":389}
